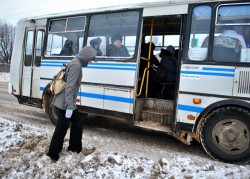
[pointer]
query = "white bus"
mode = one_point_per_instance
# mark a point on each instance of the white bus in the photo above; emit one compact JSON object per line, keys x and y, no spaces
{"x":211,"y":99}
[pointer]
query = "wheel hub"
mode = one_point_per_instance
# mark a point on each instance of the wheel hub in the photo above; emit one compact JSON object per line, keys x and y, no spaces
{"x":231,"y":136}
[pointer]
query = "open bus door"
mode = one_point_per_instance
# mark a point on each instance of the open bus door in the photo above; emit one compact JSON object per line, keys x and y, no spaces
{"x":32,"y":62}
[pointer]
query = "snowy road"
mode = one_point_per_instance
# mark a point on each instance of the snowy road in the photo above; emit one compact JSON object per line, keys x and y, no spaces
{"x":111,"y":150}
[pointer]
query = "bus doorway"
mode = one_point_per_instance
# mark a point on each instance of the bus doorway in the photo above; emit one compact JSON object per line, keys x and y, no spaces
{"x":154,"y":105}
{"x":32,"y":62}
{"x":159,"y":33}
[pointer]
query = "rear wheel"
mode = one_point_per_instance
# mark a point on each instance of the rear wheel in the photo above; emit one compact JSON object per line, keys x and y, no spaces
{"x":52,"y":110}
{"x":225,"y":135}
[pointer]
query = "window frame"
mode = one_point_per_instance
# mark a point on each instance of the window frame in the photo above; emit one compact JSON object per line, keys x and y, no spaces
{"x":65,"y":31}
{"x":209,"y":60}
{"x":138,"y":36}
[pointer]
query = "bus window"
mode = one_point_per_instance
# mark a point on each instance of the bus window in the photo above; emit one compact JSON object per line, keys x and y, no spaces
{"x":162,"y":41}
{"x":232,"y":35}
{"x":39,"y":47}
{"x":29,"y":48}
{"x":64,"y":36}
{"x":200,"y":27}
{"x":118,"y":34}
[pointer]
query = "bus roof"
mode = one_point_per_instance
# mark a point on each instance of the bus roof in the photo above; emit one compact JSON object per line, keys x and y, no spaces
{"x":136,"y":5}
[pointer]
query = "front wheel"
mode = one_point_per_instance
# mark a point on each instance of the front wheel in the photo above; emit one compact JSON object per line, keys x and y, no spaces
{"x":225,"y":135}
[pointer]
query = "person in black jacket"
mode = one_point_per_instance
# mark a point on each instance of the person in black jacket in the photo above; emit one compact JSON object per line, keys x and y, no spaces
{"x":168,"y":66}
{"x":67,"y":48}
{"x":116,"y":49}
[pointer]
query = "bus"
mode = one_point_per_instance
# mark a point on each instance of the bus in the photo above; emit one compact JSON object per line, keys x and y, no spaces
{"x":209,"y":100}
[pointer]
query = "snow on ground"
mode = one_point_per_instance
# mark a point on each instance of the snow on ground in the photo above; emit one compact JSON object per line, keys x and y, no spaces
{"x":4,"y":77}
{"x":23,"y":155}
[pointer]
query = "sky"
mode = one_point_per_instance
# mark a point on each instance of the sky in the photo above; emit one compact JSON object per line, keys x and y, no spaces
{"x":13,"y":10}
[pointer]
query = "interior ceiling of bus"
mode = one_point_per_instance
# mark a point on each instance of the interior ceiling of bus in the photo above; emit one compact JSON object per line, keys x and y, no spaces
{"x":162,"y":25}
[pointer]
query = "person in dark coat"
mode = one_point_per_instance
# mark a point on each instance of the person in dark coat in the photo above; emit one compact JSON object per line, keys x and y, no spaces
{"x":95,"y":43}
{"x":67,"y":48}
{"x":116,"y":49}
{"x":168,"y":66}
{"x":67,"y":109}
{"x":154,"y":63}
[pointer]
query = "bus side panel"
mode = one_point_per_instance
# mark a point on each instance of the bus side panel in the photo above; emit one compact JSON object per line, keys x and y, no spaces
{"x":207,"y":79}
{"x":202,"y":79}
{"x":186,"y":106}
{"x":106,"y":85}
{"x":110,"y":73}
{"x":120,"y":100}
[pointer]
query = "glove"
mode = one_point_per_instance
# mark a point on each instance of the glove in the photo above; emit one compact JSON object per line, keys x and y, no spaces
{"x":68,"y":113}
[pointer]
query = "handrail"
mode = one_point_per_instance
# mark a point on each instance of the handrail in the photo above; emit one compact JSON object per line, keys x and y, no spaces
{"x":146,"y":70}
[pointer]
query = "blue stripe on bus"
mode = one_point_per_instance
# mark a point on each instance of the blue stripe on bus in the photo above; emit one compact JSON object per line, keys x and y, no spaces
{"x":207,"y":73}
{"x":107,"y":97}
{"x":47,"y":65}
{"x":93,"y":63}
{"x":190,"y":108}
{"x":113,"y":64}
{"x":96,"y":67}
{"x":57,"y":61}
{"x":218,"y":69}
{"x":104,"y":66}
{"x":111,"y":68}
{"x":103,"y":97}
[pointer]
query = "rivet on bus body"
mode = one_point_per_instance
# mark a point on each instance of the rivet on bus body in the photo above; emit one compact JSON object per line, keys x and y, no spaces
{"x":196,"y":100}
{"x":191,"y":117}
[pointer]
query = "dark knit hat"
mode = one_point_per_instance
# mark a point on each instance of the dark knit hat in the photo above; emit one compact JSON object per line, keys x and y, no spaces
{"x":116,"y":37}
{"x":95,"y":41}
{"x":170,"y":48}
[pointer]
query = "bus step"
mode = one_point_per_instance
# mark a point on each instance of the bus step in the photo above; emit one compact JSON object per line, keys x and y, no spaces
{"x":157,"y":116}
{"x":152,"y":126}
{"x":152,"y":103}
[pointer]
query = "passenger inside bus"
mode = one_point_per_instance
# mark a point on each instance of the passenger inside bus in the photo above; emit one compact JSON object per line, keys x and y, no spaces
{"x":67,"y":48}
{"x":95,"y":43}
{"x":168,"y":68}
{"x":154,"y":64}
{"x":229,"y":32}
{"x":116,"y":49}
{"x":228,"y":46}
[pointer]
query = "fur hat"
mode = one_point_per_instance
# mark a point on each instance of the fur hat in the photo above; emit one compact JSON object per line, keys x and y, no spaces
{"x":116,"y":37}
{"x":170,"y":48}
{"x":95,"y":41}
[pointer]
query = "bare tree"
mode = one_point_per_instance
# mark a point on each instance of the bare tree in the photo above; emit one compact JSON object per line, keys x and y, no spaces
{"x":7,"y":35}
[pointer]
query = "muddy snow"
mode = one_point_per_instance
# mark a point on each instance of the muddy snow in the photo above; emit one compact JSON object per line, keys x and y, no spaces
{"x":23,"y":150}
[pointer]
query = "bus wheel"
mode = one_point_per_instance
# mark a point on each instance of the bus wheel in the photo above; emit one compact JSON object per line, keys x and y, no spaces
{"x":52,"y":111}
{"x":225,"y":135}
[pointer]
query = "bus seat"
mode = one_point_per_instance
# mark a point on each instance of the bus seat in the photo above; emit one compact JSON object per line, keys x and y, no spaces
{"x":224,"y":54}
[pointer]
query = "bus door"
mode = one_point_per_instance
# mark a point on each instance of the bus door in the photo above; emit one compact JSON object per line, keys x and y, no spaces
{"x":32,"y":61}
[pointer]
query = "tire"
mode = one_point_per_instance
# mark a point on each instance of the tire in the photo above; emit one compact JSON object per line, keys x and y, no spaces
{"x":225,"y":135}
{"x":52,"y":110}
